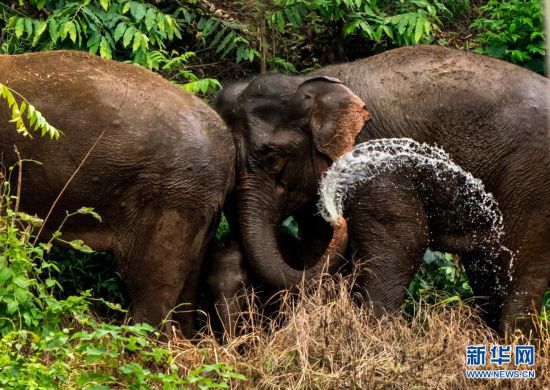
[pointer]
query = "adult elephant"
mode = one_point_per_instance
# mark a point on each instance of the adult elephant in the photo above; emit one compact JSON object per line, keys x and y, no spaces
{"x":159,"y":166}
{"x":399,"y":198}
{"x":489,"y":115}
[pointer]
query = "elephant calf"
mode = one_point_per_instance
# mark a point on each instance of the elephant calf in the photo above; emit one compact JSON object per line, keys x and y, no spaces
{"x":160,"y":165}
{"x":228,"y":275}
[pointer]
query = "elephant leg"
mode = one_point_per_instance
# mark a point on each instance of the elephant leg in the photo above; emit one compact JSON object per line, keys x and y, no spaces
{"x":389,"y":235}
{"x":186,"y":310}
{"x":185,"y":314}
{"x":531,"y":273}
{"x":521,"y":302}
{"x":486,"y":283}
{"x":164,"y":262}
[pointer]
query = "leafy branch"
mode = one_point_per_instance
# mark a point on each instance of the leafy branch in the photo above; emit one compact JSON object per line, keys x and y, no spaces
{"x":37,"y":122}
{"x":106,"y":27}
{"x":514,"y":31}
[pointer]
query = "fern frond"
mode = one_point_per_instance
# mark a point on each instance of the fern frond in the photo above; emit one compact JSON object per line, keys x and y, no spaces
{"x":36,"y":121}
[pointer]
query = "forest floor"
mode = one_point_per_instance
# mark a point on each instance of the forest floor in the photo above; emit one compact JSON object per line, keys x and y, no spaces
{"x":326,"y":341}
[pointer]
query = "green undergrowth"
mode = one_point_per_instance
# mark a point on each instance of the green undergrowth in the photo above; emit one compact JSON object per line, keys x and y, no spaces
{"x":441,"y":278}
{"x":514,"y":31}
{"x":51,"y":338}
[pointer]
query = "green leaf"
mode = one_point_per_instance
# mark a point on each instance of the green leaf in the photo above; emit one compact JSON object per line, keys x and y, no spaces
{"x":150,"y":19}
{"x":89,"y":211}
{"x":419,"y":29}
{"x":38,"y":33}
{"x":160,"y":21}
{"x":119,"y":31}
{"x":33,"y":220}
{"x":104,"y":49}
{"x":138,"y":10}
{"x":388,"y":31}
{"x":104,"y":4}
{"x":12,"y":307}
{"x":128,"y":35}
{"x":22,"y":107}
{"x":50,"y":282}
{"x":280,"y":20}
{"x":72,"y":31}
{"x":351,"y":27}
{"x":64,"y":30}
{"x":19,"y":27}
{"x":80,"y":246}
{"x":94,"y":353}
{"x":21,"y":281}
{"x":53,"y":30}
{"x":137,"y":42}
{"x":28,"y":27}
{"x":22,"y":295}
{"x":5,"y":274}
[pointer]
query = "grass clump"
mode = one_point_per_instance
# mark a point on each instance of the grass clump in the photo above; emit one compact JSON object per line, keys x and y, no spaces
{"x":322,"y":339}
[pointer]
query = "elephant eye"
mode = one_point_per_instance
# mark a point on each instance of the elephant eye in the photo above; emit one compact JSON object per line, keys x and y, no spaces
{"x":279,"y":165}
{"x":273,"y":161}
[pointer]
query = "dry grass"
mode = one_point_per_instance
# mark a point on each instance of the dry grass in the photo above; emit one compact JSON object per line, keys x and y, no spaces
{"x":325,"y":341}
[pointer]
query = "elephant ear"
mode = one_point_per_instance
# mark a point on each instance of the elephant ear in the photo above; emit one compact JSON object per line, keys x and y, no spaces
{"x":336,"y":114}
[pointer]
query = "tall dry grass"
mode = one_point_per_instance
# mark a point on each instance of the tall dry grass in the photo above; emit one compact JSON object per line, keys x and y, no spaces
{"x":323,"y":340}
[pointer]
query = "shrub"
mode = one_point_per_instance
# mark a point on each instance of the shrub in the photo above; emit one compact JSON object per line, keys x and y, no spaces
{"x":48,"y":341}
{"x":134,"y":28}
{"x":131,"y":30}
{"x":441,"y":278}
{"x":514,"y":31}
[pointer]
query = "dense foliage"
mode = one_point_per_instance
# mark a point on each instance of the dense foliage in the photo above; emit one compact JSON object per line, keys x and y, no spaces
{"x":513,"y":30}
{"x":197,"y":42}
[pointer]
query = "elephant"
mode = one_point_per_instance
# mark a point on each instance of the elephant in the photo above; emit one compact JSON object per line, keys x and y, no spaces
{"x":226,"y":277}
{"x":489,"y":115}
{"x":229,"y":278}
{"x":401,"y":198}
{"x":156,"y":165}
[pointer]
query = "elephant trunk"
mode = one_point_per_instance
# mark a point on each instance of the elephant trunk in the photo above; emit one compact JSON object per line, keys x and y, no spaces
{"x":258,"y":229}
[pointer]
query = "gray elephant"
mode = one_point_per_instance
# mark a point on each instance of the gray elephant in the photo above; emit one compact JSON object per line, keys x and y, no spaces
{"x":229,"y":281}
{"x":489,"y":115}
{"x":399,"y":198}
{"x":160,"y":165}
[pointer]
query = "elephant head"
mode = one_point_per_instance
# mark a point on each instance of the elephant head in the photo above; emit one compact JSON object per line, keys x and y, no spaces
{"x":287,"y":131}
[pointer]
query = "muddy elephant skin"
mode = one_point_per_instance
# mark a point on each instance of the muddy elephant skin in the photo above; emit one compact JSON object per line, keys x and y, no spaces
{"x":489,"y":115}
{"x":158,"y":175}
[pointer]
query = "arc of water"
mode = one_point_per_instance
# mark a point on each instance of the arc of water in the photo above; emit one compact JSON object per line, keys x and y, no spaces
{"x":366,"y":161}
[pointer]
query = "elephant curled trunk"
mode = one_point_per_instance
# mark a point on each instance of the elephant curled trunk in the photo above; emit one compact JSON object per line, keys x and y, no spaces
{"x":259,"y":229}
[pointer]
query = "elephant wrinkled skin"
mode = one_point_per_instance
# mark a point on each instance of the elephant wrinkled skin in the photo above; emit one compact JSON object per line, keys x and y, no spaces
{"x":158,"y":175}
